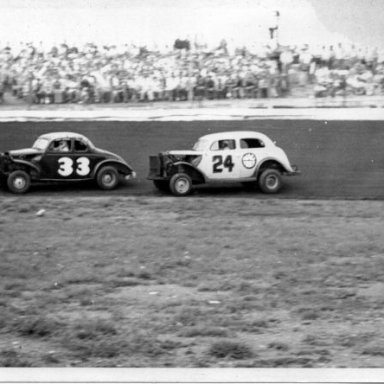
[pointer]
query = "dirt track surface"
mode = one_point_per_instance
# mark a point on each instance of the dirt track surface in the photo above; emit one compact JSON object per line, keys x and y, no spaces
{"x":338,"y":159}
{"x":224,"y":278}
{"x":197,"y":282}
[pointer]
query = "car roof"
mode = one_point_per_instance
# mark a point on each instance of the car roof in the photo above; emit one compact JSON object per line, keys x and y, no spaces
{"x":235,"y":135}
{"x":63,"y":135}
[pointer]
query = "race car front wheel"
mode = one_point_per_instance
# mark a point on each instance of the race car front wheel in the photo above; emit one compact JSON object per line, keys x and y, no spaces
{"x":107,"y":178}
{"x":270,"y":181}
{"x":180,"y":184}
{"x":18,"y":182}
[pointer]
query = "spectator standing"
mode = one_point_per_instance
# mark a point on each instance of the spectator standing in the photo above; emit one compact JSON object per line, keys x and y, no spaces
{"x":199,"y":91}
{"x":264,"y":84}
{"x":169,"y":86}
{"x":1,"y":92}
{"x":210,"y":88}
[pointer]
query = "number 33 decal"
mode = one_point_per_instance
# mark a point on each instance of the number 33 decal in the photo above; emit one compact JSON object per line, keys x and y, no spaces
{"x":66,"y":166}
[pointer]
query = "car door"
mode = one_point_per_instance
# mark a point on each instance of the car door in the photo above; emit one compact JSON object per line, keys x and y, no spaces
{"x":57,"y":163}
{"x":84,"y":159}
{"x":218,"y":162}
{"x":251,"y":151}
{"x":75,"y":161}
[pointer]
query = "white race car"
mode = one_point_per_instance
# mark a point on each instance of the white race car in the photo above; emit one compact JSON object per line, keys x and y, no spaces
{"x":251,"y":158}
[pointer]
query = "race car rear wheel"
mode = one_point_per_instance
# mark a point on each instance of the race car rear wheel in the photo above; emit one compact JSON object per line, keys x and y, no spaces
{"x":18,"y":182}
{"x":161,"y":185}
{"x":180,"y":184}
{"x":107,"y":178}
{"x":270,"y":181}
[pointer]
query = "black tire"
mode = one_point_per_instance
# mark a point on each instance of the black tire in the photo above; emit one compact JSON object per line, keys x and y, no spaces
{"x":270,"y":181}
{"x":107,"y":178}
{"x":180,"y":184}
{"x":18,"y":182}
{"x":161,"y":185}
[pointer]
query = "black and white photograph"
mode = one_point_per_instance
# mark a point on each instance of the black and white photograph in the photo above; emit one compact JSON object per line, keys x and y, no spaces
{"x":191,"y":185}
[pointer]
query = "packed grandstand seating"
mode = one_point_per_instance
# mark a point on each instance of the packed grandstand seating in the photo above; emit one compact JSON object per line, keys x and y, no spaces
{"x":128,"y":73}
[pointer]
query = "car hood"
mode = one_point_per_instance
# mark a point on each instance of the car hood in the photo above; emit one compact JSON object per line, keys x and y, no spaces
{"x":24,"y":152}
{"x":186,"y":152}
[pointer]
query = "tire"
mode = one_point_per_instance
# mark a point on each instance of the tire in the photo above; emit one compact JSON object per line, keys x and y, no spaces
{"x":107,"y":178}
{"x":18,"y":182}
{"x":270,"y":181}
{"x":180,"y":184}
{"x":161,"y":185}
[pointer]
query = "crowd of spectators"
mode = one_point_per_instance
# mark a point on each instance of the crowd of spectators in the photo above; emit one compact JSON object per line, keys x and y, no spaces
{"x":185,"y":71}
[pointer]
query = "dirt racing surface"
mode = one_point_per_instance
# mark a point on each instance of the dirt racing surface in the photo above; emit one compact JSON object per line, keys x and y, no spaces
{"x":223,"y":278}
{"x":193,"y":282}
{"x":338,"y":159}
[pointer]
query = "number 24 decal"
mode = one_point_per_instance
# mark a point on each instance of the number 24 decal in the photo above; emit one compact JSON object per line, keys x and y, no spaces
{"x":219,"y":165}
{"x":66,"y":166}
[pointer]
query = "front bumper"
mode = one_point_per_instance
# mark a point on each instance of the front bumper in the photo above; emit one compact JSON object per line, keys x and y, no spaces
{"x":131,"y":176}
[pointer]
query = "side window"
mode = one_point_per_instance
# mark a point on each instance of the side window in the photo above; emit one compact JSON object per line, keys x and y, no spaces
{"x":221,"y":145}
{"x":60,"y":146}
{"x":80,"y":146}
{"x":251,"y":143}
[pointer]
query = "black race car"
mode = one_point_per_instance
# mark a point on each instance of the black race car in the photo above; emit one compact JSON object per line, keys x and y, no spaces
{"x":62,"y":156}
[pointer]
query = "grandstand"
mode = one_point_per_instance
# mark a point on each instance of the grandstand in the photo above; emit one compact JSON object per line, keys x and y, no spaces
{"x":131,"y":73}
{"x":262,"y":53}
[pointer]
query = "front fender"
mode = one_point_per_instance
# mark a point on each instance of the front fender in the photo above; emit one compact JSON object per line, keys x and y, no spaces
{"x":123,"y":168}
{"x":184,"y":167}
{"x":14,"y":164}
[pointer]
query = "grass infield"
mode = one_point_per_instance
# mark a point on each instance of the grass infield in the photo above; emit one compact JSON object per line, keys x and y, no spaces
{"x":193,"y":282}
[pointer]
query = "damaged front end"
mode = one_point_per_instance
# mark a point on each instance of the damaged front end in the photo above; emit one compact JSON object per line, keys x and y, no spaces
{"x":5,"y":161}
{"x":166,"y":164}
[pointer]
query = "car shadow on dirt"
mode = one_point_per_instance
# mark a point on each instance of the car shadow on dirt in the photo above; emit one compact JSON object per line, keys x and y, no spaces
{"x":75,"y":187}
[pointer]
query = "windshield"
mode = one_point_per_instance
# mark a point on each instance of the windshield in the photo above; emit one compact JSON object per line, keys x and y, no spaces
{"x":41,"y":144}
{"x":200,"y":145}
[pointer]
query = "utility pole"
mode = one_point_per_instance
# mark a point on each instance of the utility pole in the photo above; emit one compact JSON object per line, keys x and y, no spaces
{"x":277,"y":15}
{"x":274,"y":31}
{"x":30,"y":88}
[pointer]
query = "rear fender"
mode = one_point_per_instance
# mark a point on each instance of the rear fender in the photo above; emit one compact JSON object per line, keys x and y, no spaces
{"x":121,"y":167}
{"x":269,"y":164}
